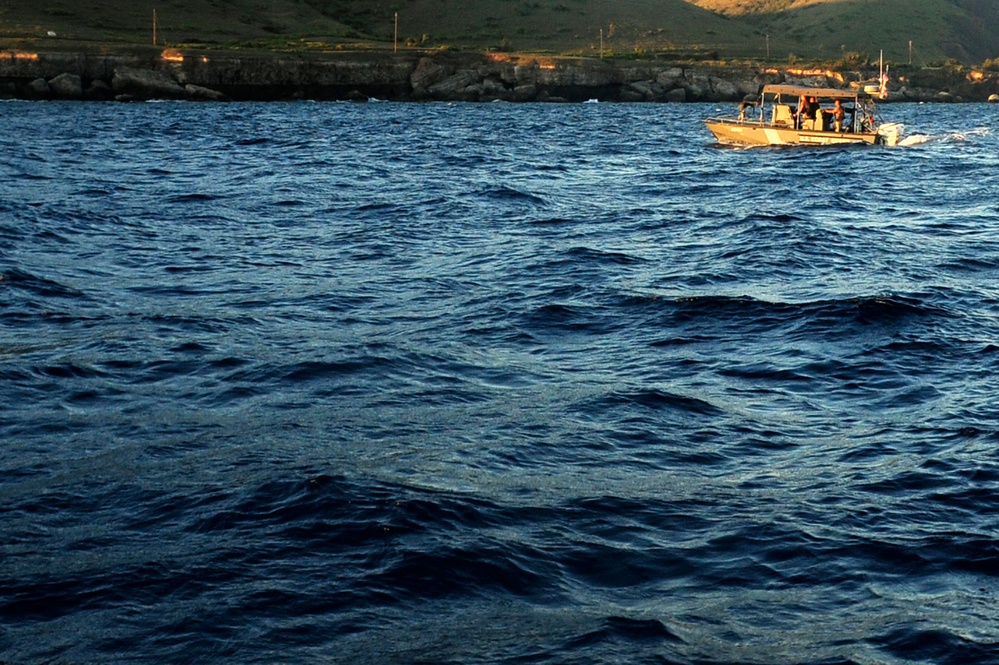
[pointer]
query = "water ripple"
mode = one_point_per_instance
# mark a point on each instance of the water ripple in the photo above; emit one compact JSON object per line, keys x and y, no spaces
{"x":395,"y":383}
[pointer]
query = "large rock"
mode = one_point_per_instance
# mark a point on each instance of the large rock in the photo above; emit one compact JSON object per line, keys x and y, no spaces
{"x":145,"y":84}
{"x":698,"y":86}
{"x":428,"y":72}
{"x":454,"y":86}
{"x":66,"y":86}
{"x":676,"y":95}
{"x":38,"y":89}
{"x":492,"y":89}
{"x":526,"y":74}
{"x":629,"y":94}
{"x":747,"y":87}
{"x":543,"y":96}
{"x":98,"y":91}
{"x":669,"y":78}
{"x":201,"y":94}
{"x":525,"y":93}
{"x":507,"y":73}
{"x":725,"y":90}
{"x":643,"y":88}
{"x":818,"y":81}
{"x":579,"y":75}
{"x":493,"y":86}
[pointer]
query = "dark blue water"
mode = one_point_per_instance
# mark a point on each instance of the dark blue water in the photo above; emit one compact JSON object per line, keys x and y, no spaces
{"x":389,"y":383}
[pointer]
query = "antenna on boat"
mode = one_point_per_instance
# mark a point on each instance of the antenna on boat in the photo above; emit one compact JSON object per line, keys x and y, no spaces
{"x":882,"y":77}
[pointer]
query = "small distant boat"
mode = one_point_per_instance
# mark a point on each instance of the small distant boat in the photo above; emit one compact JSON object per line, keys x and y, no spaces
{"x":799,"y":115}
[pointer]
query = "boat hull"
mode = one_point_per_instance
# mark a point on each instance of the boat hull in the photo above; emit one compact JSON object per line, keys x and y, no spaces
{"x":746,"y":134}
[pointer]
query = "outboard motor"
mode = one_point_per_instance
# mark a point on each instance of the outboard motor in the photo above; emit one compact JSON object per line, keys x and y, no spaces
{"x":889,"y":133}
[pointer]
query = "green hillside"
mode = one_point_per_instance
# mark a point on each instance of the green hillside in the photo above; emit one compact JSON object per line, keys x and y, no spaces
{"x":558,"y":25}
{"x":795,"y":30}
{"x":551,"y":25}
{"x":936,"y":29}
{"x":222,"y":22}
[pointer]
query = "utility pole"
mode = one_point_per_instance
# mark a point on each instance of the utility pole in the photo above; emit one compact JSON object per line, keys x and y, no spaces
{"x":154,"y":27}
{"x":601,"y":43}
{"x":910,"y":52}
{"x":395,"y":39}
{"x":768,"y":47}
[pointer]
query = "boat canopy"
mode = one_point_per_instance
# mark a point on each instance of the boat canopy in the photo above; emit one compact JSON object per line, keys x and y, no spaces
{"x":825,"y":93}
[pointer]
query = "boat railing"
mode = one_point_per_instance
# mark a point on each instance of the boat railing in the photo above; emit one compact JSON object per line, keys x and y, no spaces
{"x":729,"y":120}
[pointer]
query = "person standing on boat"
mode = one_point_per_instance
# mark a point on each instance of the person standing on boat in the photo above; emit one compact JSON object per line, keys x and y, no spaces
{"x":838,"y":113}
{"x":799,"y":113}
{"x":807,"y":108}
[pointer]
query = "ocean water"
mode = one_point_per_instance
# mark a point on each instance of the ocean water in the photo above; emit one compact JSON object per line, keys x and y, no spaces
{"x":449,"y":383}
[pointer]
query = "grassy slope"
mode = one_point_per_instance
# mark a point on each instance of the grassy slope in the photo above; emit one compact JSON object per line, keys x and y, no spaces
{"x":559,"y":25}
{"x":809,"y":29}
{"x":938,"y":29}
{"x":979,"y":28}
{"x":563,"y":25}
{"x":130,"y":21}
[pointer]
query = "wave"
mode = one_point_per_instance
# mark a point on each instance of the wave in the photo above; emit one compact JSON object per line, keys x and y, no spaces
{"x":586,"y":254}
{"x":627,"y":631}
{"x":195,"y":197}
{"x":593,"y":394}
{"x":872,"y":309}
{"x":511,"y":194}
{"x":552,"y":221}
{"x":944,"y":137}
{"x":659,"y":399}
{"x":39,"y":286}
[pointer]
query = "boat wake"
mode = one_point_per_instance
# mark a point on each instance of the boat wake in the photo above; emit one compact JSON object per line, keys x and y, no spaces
{"x":944,"y":137}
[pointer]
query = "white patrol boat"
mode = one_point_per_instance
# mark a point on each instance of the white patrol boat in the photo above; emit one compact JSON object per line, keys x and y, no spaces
{"x":798,"y":115}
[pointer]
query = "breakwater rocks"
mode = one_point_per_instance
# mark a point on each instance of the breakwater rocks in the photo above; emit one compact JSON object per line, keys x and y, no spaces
{"x":441,"y":76}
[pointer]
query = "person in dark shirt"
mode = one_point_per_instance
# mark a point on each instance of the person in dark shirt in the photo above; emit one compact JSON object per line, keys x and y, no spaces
{"x":808,"y":107}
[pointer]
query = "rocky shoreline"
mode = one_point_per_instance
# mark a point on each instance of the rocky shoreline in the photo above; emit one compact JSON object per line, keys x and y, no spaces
{"x":427,"y":76}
